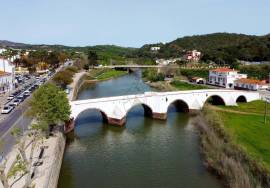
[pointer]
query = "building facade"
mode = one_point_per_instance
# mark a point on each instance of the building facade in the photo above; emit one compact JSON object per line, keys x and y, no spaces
{"x":193,"y":55}
{"x":250,"y":84}
{"x":6,"y":82}
{"x":7,"y":70}
{"x":224,"y":77}
{"x":155,"y":48}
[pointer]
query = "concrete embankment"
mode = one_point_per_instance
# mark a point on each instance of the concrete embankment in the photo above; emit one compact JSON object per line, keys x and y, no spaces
{"x":78,"y":80}
{"x":56,"y":158}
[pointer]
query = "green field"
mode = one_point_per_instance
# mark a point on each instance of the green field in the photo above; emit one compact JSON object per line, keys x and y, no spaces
{"x":187,"y":86}
{"x":249,"y":130}
{"x":104,"y":74}
{"x":251,"y":107}
{"x":110,"y":74}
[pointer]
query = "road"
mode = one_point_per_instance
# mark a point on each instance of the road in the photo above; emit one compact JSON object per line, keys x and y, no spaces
{"x":17,"y":119}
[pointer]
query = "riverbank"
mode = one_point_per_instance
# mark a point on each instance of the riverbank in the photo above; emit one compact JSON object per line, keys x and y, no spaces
{"x":176,"y":85}
{"x":236,"y":146}
{"x":95,"y":75}
{"x":74,"y":87}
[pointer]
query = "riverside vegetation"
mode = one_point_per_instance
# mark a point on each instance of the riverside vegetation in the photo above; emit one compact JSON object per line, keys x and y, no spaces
{"x":157,"y":80}
{"x":236,"y":145}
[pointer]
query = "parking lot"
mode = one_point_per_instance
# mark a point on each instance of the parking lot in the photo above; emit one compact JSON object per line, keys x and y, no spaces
{"x":28,"y":84}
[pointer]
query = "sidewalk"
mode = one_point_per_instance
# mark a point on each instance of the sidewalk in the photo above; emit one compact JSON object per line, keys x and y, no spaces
{"x":47,"y":174}
{"x":74,"y":85}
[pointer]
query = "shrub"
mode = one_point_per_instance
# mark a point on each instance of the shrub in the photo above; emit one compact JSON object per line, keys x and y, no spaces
{"x":72,"y":69}
{"x":152,"y":75}
{"x":63,"y":78}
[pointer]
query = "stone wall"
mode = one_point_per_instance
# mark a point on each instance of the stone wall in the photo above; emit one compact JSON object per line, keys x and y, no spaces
{"x":57,"y":157}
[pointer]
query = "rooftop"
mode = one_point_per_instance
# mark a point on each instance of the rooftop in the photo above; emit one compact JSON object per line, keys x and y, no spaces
{"x":251,"y":81}
{"x":224,"y":70}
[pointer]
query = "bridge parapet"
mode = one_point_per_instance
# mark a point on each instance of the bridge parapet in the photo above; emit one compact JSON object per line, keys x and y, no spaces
{"x":115,"y":109}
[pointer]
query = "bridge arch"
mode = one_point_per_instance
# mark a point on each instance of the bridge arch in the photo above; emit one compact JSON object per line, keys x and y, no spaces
{"x":215,"y":100}
{"x":147,"y":109}
{"x":241,"y":99}
{"x":181,"y":105}
{"x":103,"y":114}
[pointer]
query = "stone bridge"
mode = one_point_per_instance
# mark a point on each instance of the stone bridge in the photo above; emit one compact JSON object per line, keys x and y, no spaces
{"x":115,"y":109}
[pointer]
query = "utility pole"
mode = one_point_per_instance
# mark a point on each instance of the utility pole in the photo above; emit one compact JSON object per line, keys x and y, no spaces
{"x":265,"y":109}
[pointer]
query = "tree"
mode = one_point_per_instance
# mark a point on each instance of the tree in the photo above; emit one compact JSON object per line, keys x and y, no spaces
{"x":53,"y":59}
{"x":23,"y":164}
{"x":92,"y":58}
{"x":63,"y":78}
{"x":49,"y":105}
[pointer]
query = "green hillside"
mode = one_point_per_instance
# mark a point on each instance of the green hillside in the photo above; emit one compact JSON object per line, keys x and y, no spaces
{"x":222,"y":48}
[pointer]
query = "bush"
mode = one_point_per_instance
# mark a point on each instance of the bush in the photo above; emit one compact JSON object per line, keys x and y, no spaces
{"x":72,"y":69}
{"x":63,"y":78}
{"x":152,"y":75}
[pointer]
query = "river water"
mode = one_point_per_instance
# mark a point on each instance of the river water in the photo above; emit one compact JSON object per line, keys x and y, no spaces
{"x":145,"y":153}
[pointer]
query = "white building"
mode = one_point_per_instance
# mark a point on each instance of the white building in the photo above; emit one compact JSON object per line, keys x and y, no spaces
{"x":193,"y":55}
{"x":155,"y":48}
{"x":250,"y":84}
{"x":224,"y":77}
{"x":8,"y":69}
{"x":2,"y":50}
{"x":6,"y":82}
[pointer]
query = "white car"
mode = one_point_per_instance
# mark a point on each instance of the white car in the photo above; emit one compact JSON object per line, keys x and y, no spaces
{"x":10,"y":97}
{"x":16,"y":102}
{"x":6,"y":109}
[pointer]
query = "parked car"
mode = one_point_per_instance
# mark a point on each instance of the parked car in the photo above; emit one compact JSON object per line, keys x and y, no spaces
{"x":21,"y":98}
{"x":10,"y":97}
{"x":12,"y":105}
{"x":26,"y":93}
{"x":16,"y":102}
{"x":6,"y":110}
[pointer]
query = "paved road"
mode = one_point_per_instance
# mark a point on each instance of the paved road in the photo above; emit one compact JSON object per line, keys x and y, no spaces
{"x":17,"y":119}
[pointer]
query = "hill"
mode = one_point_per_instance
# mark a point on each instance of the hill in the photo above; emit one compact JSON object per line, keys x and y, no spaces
{"x":217,"y":47}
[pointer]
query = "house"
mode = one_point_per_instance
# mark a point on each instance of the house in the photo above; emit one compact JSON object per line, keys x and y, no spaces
{"x":224,"y":77}
{"x":155,"y":48}
{"x":6,"y":82}
{"x":193,"y":55}
{"x":250,"y":84}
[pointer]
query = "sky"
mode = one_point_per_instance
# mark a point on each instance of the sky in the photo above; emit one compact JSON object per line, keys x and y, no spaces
{"x":130,"y":23}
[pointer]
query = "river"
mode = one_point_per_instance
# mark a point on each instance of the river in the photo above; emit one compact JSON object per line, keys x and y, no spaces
{"x":145,"y":153}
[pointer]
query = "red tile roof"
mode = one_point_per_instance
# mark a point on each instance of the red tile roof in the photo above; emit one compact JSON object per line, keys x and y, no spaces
{"x":224,"y":70}
{"x":250,"y":81}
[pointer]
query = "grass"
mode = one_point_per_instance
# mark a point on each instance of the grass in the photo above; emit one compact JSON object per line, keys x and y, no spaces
{"x":104,"y":74}
{"x":249,"y":130}
{"x":110,"y":73}
{"x":186,"y":86}
{"x":251,"y":107}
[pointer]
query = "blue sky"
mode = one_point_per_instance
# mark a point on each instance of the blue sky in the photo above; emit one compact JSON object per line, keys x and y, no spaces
{"x":127,"y":22}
